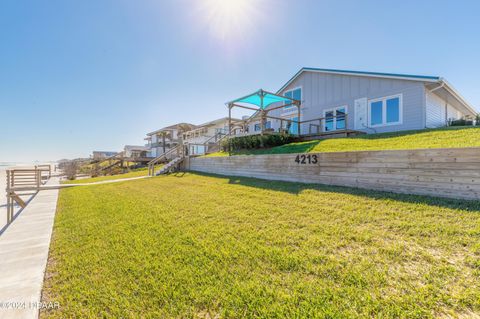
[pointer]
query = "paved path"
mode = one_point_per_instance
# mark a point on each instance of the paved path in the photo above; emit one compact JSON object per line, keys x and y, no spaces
{"x":23,"y":256}
{"x":100,"y":182}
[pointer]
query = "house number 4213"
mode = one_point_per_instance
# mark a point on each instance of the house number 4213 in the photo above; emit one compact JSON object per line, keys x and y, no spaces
{"x":306,"y":159}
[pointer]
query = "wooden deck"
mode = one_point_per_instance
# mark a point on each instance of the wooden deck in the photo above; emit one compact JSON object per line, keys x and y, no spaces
{"x":331,"y":134}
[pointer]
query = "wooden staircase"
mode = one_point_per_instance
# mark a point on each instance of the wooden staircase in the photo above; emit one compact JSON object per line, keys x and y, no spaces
{"x":115,"y":160}
{"x":171,"y":166}
{"x":173,"y":158}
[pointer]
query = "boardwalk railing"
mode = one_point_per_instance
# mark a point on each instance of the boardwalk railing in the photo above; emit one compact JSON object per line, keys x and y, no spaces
{"x":24,"y":180}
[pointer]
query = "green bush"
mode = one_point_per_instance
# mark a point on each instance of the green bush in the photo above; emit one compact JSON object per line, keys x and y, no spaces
{"x":461,"y":122}
{"x":256,"y":141}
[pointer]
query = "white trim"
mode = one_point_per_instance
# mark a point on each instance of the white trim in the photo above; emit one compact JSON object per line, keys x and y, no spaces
{"x":398,"y":77}
{"x":384,"y":110}
{"x":334,"y":109}
{"x":291,"y":90}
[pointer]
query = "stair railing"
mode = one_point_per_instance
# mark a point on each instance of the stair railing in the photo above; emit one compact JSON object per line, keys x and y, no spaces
{"x":164,"y":156}
{"x":117,"y":157}
{"x":215,"y":140}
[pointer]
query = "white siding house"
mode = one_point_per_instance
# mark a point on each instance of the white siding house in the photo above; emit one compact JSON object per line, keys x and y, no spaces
{"x":206,"y":133}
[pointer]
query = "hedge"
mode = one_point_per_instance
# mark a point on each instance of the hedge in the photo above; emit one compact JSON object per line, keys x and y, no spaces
{"x":256,"y":141}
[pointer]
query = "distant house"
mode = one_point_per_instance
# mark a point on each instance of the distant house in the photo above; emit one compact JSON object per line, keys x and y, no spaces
{"x":164,"y":139}
{"x":206,"y":133}
{"x":98,"y":155}
{"x":367,"y":101}
{"x":135,"y":151}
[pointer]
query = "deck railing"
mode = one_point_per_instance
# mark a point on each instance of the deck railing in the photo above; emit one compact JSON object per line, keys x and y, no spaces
{"x":316,"y":126}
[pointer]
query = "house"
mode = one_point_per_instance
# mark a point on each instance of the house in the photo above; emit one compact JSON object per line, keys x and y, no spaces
{"x":98,"y":155}
{"x":199,"y":138}
{"x":366,"y":101}
{"x":162,"y":140}
{"x":135,"y":151}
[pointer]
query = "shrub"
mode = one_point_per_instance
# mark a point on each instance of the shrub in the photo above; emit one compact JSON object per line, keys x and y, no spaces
{"x":70,"y":169}
{"x":256,"y":141}
{"x":461,"y":122}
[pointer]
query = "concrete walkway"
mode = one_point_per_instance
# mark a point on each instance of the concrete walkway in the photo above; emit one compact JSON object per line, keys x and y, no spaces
{"x":99,"y":182}
{"x":24,"y":249}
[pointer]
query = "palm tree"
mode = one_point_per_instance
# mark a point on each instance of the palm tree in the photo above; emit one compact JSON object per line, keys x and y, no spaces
{"x":164,"y":135}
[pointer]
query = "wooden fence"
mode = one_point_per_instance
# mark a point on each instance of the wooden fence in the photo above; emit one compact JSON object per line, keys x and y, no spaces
{"x":453,"y":172}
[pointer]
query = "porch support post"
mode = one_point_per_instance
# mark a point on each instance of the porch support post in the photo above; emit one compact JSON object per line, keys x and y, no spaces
{"x":262,"y":112}
{"x":298,"y":119}
{"x":229,"y":127}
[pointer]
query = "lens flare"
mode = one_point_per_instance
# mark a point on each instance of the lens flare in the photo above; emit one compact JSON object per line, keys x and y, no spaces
{"x":229,"y":19}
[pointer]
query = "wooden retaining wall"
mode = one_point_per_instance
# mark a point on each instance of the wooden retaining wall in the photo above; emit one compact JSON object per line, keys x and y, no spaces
{"x":449,"y":172}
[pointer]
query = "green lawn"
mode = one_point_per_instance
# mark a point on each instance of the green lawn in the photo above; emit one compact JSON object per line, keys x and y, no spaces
{"x":134,"y":173}
{"x":432,"y":138}
{"x":199,"y":246}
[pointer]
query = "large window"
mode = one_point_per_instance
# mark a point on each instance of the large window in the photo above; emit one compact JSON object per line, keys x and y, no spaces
{"x":385,"y":111}
{"x":295,"y":94}
{"x":335,"y":119}
{"x":258,"y":127}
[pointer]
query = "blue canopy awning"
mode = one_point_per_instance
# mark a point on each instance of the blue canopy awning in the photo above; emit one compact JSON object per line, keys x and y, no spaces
{"x":268,"y":99}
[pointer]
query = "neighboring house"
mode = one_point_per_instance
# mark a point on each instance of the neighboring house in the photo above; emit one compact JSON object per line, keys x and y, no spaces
{"x":135,"y":151}
{"x":368,"y":101}
{"x":164,"y":139}
{"x":98,"y":155}
{"x":209,"y":133}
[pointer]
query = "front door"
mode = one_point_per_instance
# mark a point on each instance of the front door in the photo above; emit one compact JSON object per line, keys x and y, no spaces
{"x":360,"y":113}
{"x":335,"y":119}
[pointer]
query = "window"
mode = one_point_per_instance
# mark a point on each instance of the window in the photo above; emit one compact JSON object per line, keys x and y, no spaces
{"x":258,"y":127}
{"x":385,"y":111}
{"x":335,"y":119}
{"x":376,"y":111}
{"x":295,"y":94}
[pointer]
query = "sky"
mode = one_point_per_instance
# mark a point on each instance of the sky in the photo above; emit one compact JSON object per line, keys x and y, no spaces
{"x":84,"y":75}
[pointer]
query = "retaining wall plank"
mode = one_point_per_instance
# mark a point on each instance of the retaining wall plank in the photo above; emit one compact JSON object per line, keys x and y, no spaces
{"x":451,"y":173}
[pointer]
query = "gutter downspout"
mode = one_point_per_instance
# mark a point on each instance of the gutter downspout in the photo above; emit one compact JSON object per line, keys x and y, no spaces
{"x":438,"y":87}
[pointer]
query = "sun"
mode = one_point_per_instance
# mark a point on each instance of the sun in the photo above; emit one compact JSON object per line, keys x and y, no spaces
{"x":229,"y":19}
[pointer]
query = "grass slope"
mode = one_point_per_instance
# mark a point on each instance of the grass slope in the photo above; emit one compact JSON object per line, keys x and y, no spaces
{"x":135,"y":173}
{"x":198,"y":246}
{"x":431,"y":138}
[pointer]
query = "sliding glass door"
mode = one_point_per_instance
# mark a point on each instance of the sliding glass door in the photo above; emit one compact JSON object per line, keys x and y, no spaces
{"x":335,"y":119}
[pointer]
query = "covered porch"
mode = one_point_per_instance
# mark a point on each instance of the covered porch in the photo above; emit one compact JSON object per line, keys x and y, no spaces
{"x":262,"y":121}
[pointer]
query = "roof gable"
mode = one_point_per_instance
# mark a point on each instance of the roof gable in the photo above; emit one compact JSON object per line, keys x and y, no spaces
{"x":422,"y":78}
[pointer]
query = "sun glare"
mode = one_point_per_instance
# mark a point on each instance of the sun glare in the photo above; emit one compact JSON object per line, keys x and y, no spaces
{"x":229,"y":19}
